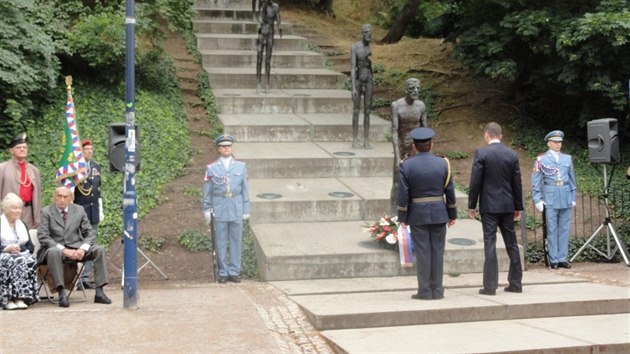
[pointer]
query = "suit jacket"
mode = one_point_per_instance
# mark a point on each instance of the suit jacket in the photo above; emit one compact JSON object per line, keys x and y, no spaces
{"x":73,"y":234}
{"x":88,"y":193}
{"x":9,"y":184}
{"x":426,"y":176}
{"x":226,"y":191}
{"x":495,"y":180}
{"x":554,"y":181}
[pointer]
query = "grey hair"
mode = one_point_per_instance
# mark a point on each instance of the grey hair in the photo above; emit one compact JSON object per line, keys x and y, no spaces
{"x":11,"y":200}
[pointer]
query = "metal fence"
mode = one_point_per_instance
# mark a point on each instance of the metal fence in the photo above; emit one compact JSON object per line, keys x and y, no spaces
{"x":589,"y":214}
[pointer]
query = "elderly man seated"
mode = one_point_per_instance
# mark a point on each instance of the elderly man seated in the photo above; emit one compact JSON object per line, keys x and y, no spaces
{"x":65,"y":232}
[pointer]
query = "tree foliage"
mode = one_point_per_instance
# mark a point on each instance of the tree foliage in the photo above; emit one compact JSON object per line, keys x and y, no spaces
{"x":567,"y":61}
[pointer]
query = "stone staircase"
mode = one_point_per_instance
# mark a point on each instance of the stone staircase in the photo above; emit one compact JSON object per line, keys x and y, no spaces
{"x":311,"y":192}
{"x":305,"y":178}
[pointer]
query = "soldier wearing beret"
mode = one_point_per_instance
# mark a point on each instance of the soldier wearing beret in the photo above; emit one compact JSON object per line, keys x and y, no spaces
{"x":226,"y":199}
{"x":425,"y":180}
{"x":22,"y":178}
{"x":554,"y":191}
{"x":88,"y":195}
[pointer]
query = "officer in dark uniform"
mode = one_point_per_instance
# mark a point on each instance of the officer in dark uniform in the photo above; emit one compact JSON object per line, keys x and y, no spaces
{"x":88,"y":195}
{"x":425,"y":180}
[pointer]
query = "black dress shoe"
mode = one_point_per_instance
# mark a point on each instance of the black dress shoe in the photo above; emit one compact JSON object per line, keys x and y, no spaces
{"x":513,"y":289}
{"x":234,"y":278}
{"x":419,"y":297}
{"x":564,"y":265}
{"x":485,"y":291}
{"x":553,"y":266}
{"x":63,"y":301}
{"x":86,"y":285}
{"x":222,"y":280}
{"x":102,"y":299}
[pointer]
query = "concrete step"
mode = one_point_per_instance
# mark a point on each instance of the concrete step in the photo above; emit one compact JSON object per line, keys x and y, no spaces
{"x":387,"y":308}
{"x":245,"y":4}
{"x":247,"y":59}
{"x":284,"y":101}
{"x":299,"y":127}
{"x":315,"y":159}
{"x":550,"y":335}
{"x":280,"y":78}
{"x":225,"y":26}
{"x":214,"y":41}
{"x":334,"y":248}
{"x":219,"y":13}
{"x":318,"y":199}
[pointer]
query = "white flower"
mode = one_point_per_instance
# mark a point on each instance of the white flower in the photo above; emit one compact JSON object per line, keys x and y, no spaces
{"x":391,"y":239}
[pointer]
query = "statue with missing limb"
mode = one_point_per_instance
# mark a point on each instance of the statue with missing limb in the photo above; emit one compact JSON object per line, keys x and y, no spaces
{"x":361,"y":75}
{"x":269,"y":14}
{"x":408,"y":113}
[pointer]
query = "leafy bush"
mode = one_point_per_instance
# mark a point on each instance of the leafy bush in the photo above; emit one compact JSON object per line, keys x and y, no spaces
{"x":195,"y":240}
{"x":249,"y":263}
{"x":151,"y":244}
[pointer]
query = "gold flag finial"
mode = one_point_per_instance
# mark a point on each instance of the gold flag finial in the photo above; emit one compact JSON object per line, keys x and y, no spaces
{"x":69,"y":82}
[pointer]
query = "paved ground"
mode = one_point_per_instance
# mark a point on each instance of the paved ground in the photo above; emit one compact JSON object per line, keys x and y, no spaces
{"x":193,"y":317}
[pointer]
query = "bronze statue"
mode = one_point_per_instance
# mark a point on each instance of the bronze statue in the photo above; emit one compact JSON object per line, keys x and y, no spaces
{"x":361,"y":75}
{"x":269,"y":13}
{"x":408,"y":113}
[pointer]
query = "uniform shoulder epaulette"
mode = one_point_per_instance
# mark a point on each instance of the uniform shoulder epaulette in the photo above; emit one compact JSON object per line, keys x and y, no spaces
{"x":211,"y":163}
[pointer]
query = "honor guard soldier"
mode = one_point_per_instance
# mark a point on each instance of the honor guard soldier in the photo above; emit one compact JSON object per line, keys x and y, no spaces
{"x":88,"y":195}
{"x":226,"y":198}
{"x":425,"y":180}
{"x":554,"y":191}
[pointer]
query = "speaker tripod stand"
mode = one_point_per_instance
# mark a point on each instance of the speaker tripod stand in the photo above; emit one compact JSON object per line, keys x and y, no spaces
{"x":610,"y":230}
{"x":147,"y":262}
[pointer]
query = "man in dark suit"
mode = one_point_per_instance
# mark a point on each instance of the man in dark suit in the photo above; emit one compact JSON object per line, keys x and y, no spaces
{"x":424,"y":181}
{"x":65,"y":233}
{"x":495,"y":181}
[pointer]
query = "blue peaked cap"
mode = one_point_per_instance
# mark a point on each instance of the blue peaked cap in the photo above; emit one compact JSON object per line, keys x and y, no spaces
{"x":422,"y":135}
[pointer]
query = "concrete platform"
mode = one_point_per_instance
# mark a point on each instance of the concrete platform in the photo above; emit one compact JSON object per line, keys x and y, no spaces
{"x":395,"y":308}
{"x":225,"y":26}
{"x":299,"y":127}
{"x":342,"y":249}
{"x":575,"y":334}
{"x":279,"y":78}
{"x":247,"y":59}
{"x":284,"y":101}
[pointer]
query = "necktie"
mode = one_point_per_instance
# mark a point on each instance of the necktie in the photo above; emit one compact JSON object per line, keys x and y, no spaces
{"x":64,"y":214}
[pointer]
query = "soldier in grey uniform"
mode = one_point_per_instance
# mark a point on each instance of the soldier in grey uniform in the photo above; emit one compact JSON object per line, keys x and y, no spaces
{"x":554,"y":189}
{"x":425,"y":180}
{"x":226,"y":198}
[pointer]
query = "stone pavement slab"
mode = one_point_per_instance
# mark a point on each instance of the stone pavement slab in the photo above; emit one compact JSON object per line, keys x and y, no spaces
{"x":577,"y":334}
{"x":172,"y":317}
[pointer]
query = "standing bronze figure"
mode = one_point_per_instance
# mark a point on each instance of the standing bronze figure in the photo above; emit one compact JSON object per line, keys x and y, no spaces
{"x":269,"y":14}
{"x":408,"y":113}
{"x":361,"y":75}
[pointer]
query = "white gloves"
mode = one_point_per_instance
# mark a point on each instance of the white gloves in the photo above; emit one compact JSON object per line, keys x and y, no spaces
{"x":208,"y":216}
{"x":540,"y":205}
{"x":101,"y":213}
{"x":245,"y":216}
{"x":572,"y":204}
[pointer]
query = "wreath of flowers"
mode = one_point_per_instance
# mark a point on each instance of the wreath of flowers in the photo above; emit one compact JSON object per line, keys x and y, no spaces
{"x":384,"y":231}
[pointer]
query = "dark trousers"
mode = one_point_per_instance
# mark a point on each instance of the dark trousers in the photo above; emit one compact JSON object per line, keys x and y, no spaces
{"x":505,"y":222}
{"x":96,"y":253}
{"x":428,"y":246}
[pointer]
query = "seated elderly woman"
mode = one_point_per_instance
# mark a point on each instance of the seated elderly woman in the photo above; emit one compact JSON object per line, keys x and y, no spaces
{"x":18,"y":266}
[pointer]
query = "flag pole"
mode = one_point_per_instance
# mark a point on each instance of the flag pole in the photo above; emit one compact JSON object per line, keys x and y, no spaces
{"x":130,"y":202}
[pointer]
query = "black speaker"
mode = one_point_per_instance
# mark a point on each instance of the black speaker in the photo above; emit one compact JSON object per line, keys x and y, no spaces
{"x":603,"y":141}
{"x":117,"y":148}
